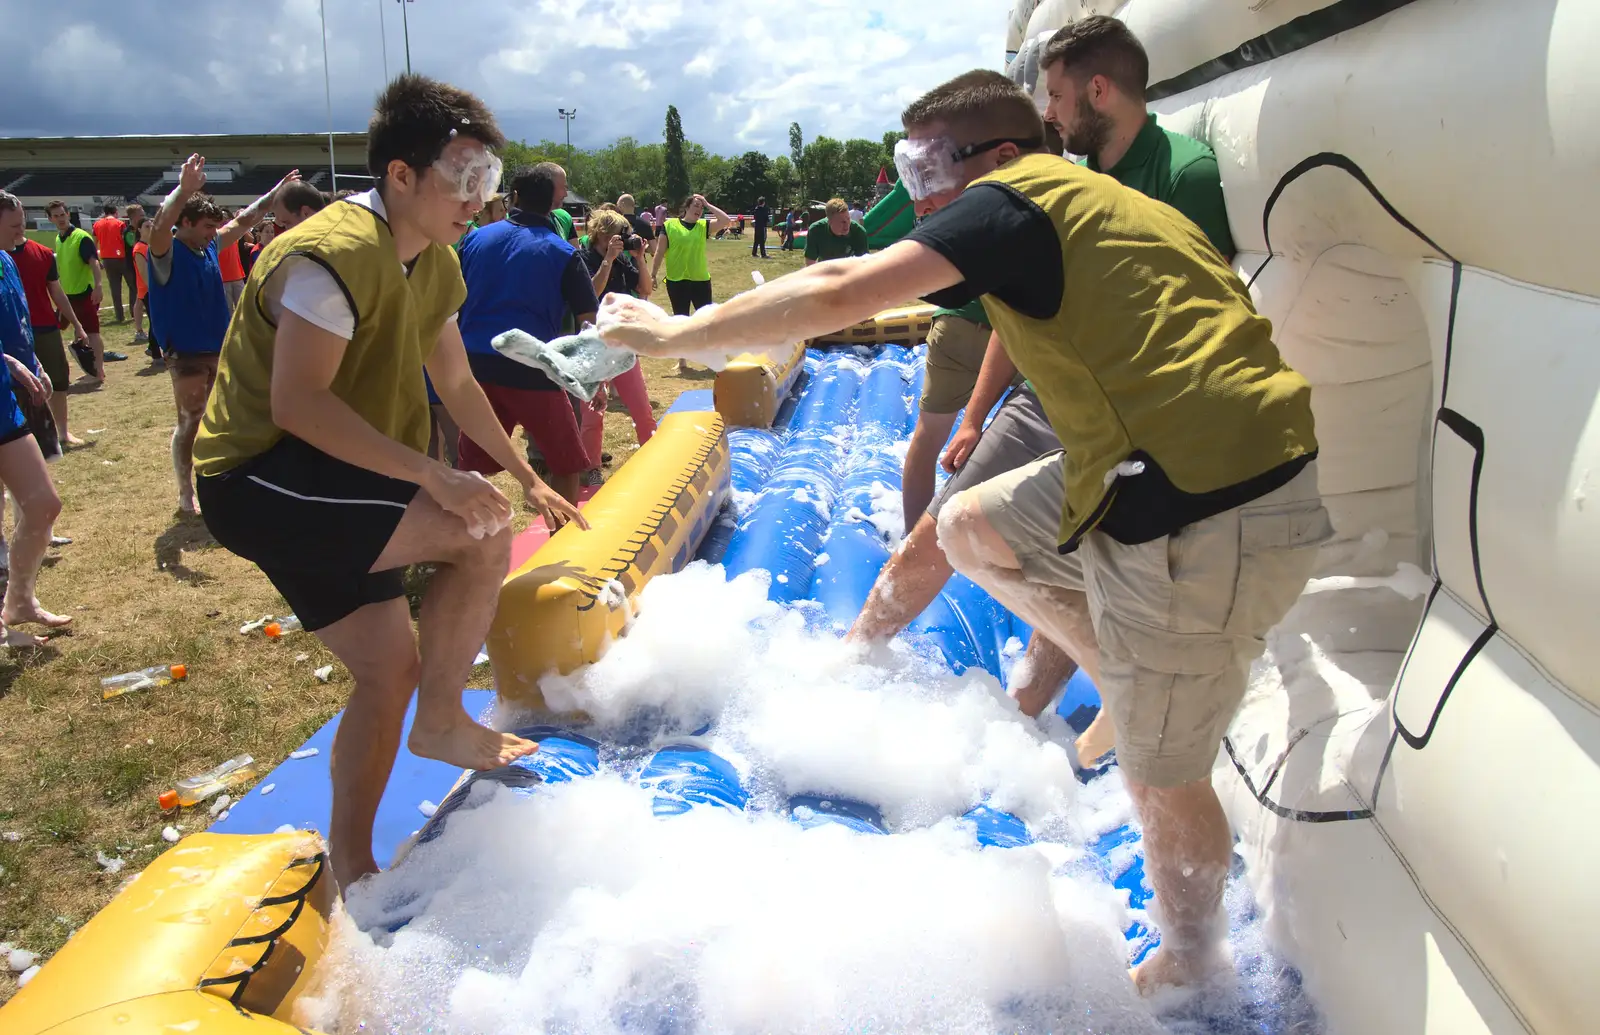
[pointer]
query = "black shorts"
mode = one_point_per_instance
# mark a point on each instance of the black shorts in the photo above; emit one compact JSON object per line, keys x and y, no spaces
{"x":313,"y":524}
{"x":688,"y":295}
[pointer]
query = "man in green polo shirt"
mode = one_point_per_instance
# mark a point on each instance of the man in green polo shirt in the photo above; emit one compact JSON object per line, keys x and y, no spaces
{"x":835,"y":236}
{"x":1185,"y":439}
{"x":1095,"y":71}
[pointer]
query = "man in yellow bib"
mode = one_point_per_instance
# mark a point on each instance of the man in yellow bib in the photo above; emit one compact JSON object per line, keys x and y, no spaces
{"x":1180,"y":521}
{"x":311,"y":457}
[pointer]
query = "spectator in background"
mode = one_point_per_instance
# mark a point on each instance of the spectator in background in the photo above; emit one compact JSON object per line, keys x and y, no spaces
{"x":231,"y":263}
{"x":22,"y":469}
{"x":615,"y":259}
{"x":83,"y":279}
{"x":642,"y":225}
{"x":130,"y":238}
{"x":560,"y":217}
{"x":683,"y":247}
{"x":294,"y":203}
{"x":190,"y":309}
{"x":494,"y":210}
{"x":522,"y":273}
{"x":835,"y":235}
{"x":856,"y":214}
{"x":47,"y":305}
{"x":790,"y":218}
{"x":139,"y":258}
{"x":108,"y":230}
{"x":761,"y":214}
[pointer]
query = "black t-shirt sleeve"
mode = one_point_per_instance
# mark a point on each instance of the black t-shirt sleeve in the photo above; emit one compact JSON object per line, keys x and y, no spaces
{"x":50,"y":272}
{"x":87,"y":250}
{"x":577,"y":289}
{"x":1003,"y":245}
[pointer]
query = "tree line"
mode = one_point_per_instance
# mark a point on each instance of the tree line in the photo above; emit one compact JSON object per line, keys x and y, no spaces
{"x":670,"y":171}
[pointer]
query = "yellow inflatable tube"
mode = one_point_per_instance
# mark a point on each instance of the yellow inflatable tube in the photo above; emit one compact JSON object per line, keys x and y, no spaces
{"x":217,"y":935}
{"x":907,"y":325}
{"x":749,"y":390}
{"x":561,"y":608}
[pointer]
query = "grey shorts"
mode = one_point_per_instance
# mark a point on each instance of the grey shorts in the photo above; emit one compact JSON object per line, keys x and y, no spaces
{"x":1019,"y":434}
{"x":1178,"y":619}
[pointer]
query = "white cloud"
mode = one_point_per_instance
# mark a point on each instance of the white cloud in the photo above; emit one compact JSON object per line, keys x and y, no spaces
{"x":739,"y":73}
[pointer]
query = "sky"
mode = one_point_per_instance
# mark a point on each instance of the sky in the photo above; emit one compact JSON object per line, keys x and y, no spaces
{"x":738,"y":72}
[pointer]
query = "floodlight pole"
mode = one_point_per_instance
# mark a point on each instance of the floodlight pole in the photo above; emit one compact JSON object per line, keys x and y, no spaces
{"x":406,"y":22}
{"x":327,"y":94}
{"x":567,"y":117}
{"x":383,"y":41}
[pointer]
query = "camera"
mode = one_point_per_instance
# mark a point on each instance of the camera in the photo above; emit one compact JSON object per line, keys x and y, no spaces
{"x":632,"y":242}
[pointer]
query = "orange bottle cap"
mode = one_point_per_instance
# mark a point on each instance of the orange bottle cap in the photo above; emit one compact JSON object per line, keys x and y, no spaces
{"x":168,"y":799}
{"x":180,"y":671}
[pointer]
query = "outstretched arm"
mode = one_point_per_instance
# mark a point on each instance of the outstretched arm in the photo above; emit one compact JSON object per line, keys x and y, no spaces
{"x":804,"y":304}
{"x":242,"y":223}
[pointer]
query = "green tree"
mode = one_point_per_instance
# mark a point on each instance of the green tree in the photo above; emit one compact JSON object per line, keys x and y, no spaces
{"x":785,"y":184}
{"x":677,"y":172}
{"x":748,"y":177}
{"x":797,"y":150}
{"x":860,"y":163}
{"x":822,"y":171}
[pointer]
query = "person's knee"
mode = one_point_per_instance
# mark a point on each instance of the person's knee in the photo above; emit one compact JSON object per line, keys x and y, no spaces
{"x":960,"y":532}
{"x":385,"y":678}
{"x":42,"y":506}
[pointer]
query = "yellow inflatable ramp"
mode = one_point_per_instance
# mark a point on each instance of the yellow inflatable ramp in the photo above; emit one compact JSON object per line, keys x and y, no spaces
{"x":559,"y":609}
{"x":217,"y":935}
{"x":907,"y":325}
{"x":749,"y":390}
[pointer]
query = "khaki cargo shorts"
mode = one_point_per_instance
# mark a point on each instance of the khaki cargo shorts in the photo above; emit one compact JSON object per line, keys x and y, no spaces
{"x":955,"y":355}
{"x":1179,"y":619}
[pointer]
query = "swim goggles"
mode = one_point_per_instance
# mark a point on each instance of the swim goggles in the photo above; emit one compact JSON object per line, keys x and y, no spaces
{"x":932,"y":166}
{"x":469,"y":175}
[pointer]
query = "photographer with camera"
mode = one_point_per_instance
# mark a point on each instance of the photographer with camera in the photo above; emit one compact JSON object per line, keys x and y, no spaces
{"x":615,"y":259}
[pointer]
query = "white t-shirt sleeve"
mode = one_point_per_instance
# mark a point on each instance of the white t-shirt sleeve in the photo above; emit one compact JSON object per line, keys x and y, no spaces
{"x":309,"y":291}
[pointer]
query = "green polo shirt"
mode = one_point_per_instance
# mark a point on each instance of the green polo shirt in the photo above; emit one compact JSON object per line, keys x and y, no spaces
{"x":972,"y":311}
{"x":823,"y":244}
{"x":1180,"y":171}
{"x":563,"y":221}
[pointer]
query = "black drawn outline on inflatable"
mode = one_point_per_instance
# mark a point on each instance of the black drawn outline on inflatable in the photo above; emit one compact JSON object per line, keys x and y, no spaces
{"x":298,"y":899}
{"x":1452,"y":420}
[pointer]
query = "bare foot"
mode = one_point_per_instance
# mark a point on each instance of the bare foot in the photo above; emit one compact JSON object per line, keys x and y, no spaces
{"x":187,"y":503}
{"x":18,"y":638}
{"x":1094,"y":742}
{"x":1033,"y":699}
{"x":33,"y":614}
{"x":1164,"y":969}
{"x":72,"y":440}
{"x":468,"y":745}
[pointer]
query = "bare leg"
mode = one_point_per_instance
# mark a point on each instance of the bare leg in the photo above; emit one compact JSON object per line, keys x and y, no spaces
{"x":455,"y":617}
{"x":189,"y":391}
{"x":138,"y":316}
{"x":1186,"y":848}
{"x":1046,"y":668}
{"x":23,"y":471}
{"x":979,"y":552}
{"x":907,"y":585}
{"x":377,"y":645}
{"x":916,"y":485}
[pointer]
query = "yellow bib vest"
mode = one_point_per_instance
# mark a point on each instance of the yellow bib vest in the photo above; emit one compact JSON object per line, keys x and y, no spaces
{"x":398,"y":320}
{"x":1155,"y":348}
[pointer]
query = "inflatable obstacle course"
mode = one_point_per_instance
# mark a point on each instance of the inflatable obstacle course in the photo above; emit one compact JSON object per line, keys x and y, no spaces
{"x":565,"y":603}
{"x":748,"y":391}
{"x":890,"y":219}
{"x":906,"y":326}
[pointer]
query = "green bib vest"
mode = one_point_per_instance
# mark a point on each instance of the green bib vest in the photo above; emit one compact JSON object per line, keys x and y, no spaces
{"x":76,"y":275}
{"x":398,"y":320}
{"x":1156,"y":347}
{"x":686,"y":250}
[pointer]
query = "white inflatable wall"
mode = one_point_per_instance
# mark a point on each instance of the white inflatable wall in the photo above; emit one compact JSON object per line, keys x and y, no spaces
{"x":1421,"y":806}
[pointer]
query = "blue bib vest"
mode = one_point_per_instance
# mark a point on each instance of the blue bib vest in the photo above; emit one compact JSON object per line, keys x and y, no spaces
{"x":16,"y":329}
{"x":513,"y":274}
{"x":190,"y":313}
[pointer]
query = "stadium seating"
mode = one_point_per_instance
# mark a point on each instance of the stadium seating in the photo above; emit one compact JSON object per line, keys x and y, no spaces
{"x":105,"y":181}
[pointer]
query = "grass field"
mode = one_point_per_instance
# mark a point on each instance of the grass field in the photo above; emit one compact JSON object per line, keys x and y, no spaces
{"x":145,"y":586}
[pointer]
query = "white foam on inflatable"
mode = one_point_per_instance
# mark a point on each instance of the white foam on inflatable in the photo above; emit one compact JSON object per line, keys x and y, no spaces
{"x":566,"y":909}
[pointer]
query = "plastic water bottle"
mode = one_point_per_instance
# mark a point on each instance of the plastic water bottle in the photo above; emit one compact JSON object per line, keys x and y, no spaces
{"x":144,"y":679}
{"x":282,"y":627}
{"x":195,"y":789}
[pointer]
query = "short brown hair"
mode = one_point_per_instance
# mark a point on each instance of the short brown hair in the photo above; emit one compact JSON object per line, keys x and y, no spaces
{"x":300,"y":194}
{"x":977,"y":105}
{"x":1100,"y":45}
{"x":201,"y":206}
{"x":836,"y":207}
{"x":416,"y":117}
{"x":62,"y":205}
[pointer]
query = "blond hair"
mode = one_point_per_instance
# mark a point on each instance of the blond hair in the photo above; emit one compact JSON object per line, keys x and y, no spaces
{"x":836,"y":207}
{"x":607,"y":223}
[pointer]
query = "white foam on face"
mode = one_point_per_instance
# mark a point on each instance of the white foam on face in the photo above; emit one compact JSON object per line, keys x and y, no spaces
{"x":575,"y":908}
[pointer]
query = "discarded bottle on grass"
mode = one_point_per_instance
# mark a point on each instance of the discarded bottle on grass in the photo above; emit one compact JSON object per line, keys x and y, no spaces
{"x":282,"y":627}
{"x":195,"y":789}
{"x":144,"y":679}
